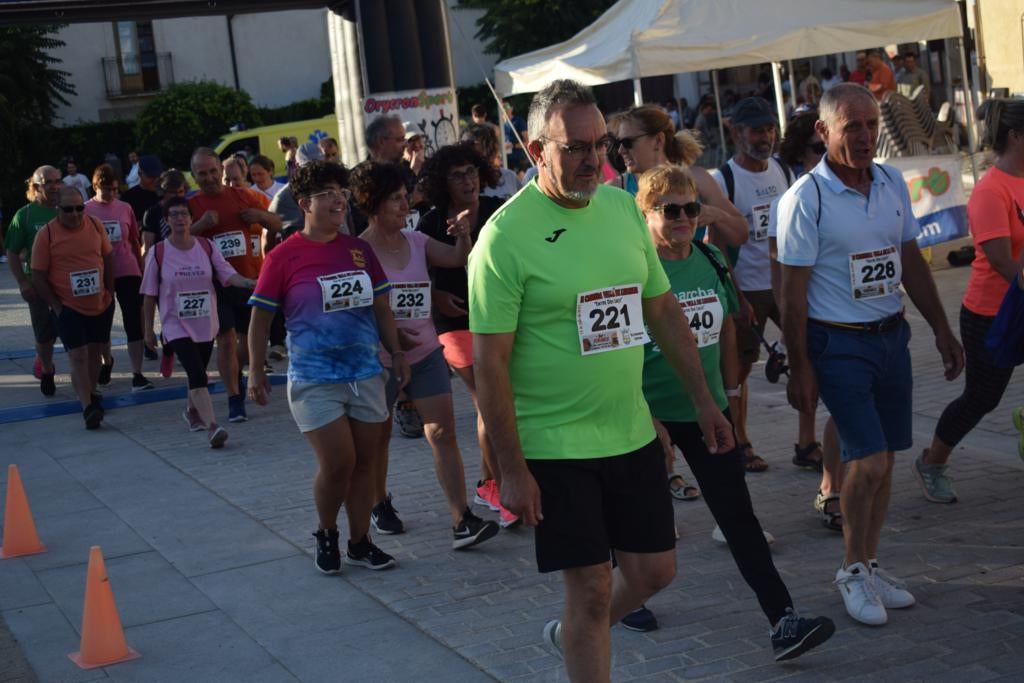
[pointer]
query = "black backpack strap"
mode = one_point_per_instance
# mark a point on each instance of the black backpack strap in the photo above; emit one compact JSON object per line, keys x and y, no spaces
{"x":730,"y":180}
{"x":786,"y":170}
{"x":817,"y":222}
{"x":158,"y":256}
{"x":723,"y":272}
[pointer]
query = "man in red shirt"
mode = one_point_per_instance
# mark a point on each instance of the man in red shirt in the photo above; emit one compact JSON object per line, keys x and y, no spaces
{"x":233,"y":219}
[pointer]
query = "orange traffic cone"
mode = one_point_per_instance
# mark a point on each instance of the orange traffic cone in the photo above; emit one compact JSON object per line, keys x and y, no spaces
{"x":103,"y":640}
{"x":20,"y":537}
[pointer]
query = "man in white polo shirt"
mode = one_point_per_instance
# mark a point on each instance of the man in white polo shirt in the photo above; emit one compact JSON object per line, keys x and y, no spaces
{"x":846,"y":239}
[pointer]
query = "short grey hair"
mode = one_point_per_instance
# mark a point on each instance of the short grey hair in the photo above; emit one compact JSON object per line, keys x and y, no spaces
{"x":561,"y":93}
{"x":203,"y":152}
{"x":39,"y":175}
{"x":378,"y":129}
{"x":839,"y":95}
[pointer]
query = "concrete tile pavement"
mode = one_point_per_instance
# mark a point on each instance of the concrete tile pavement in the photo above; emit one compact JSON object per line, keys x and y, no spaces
{"x":209,"y":556}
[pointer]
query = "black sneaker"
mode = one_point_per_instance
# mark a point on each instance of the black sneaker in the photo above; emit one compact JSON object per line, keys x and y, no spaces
{"x":47,"y":385}
{"x":384,"y":518}
{"x":328,"y":555}
{"x":796,"y":635}
{"x":93,"y":416}
{"x":140,"y":383}
{"x":472,"y":530}
{"x":366,"y":554}
{"x":236,"y":408}
{"x":408,"y":420}
{"x":642,"y":620}
{"x":105,"y":370}
{"x":148,"y":353}
{"x":96,"y":401}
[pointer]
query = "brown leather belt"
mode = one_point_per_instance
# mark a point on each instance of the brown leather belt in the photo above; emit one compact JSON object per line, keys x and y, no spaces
{"x":877,"y":327}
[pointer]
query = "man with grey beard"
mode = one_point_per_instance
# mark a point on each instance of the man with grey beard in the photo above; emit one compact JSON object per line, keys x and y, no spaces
{"x":562,"y":283}
{"x":753,"y":181}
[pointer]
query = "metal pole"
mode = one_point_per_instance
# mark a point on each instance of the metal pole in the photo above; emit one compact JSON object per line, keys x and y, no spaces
{"x":792,"y":82}
{"x":451,"y":67}
{"x":721,"y":120}
{"x":638,"y":95}
{"x":972,"y":132}
{"x":779,"y":104}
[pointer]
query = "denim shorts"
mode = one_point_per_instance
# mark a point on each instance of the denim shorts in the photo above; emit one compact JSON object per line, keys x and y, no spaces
{"x":866,"y":382}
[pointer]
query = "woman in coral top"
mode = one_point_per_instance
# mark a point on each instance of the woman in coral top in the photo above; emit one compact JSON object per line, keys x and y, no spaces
{"x":996,"y":214}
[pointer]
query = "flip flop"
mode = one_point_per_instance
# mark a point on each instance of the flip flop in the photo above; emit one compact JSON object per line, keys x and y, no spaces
{"x":684,"y":491}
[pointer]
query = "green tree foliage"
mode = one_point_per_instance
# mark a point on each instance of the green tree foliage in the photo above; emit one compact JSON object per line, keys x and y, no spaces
{"x":31,"y":89}
{"x":512,"y":27}
{"x":190,"y":114}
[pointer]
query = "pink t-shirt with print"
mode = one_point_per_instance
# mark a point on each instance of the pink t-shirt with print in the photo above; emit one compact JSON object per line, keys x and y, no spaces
{"x":122,"y":230}
{"x":410,"y":300}
{"x":187,"y":300}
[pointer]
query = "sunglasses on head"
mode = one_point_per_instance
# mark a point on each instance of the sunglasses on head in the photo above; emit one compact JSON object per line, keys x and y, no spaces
{"x":674,"y":212}
{"x":79,"y":208}
{"x":816,"y":147}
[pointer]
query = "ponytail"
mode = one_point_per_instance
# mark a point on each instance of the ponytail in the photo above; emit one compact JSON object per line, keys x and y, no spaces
{"x":1001,"y":115}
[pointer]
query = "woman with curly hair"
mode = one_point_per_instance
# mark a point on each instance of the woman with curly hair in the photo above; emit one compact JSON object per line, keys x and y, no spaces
{"x":505,"y":182}
{"x":379,"y":191}
{"x":452,"y":180}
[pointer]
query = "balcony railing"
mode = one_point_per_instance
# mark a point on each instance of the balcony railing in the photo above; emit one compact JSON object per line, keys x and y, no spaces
{"x":138,"y":75}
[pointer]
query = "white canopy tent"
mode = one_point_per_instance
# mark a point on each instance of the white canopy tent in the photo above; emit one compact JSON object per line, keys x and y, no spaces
{"x":639,"y":38}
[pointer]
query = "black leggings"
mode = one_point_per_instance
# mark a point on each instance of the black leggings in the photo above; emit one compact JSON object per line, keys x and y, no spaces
{"x":130,"y":300}
{"x":194,"y":357}
{"x":722,"y":482}
{"x":984,"y":386}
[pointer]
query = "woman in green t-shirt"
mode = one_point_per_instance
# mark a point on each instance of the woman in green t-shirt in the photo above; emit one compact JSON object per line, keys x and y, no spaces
{"x":667,"y":195}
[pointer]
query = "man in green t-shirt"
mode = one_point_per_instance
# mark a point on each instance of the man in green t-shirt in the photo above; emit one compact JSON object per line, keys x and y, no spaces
{"x":44,"y":191}
{"x":561,"y":284}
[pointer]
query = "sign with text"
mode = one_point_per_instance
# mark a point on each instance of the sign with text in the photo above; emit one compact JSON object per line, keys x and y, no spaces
{"x":936,"y":195}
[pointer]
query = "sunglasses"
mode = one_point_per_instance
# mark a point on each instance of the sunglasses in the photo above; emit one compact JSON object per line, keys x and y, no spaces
{"x":627,"y":143}
{"x":816,"y":147}
{"x":674,"y":212}
{"x":73,"y":209}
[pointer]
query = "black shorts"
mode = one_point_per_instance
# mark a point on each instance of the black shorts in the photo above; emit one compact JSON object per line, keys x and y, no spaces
{"x":44,"y":322}
{"x":77,"y":330}
{"x":596,"y":505}
{"x":233,"y":310}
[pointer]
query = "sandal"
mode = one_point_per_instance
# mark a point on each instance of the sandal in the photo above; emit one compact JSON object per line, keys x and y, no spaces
{"x":801,"y":456}
{"x":683,"y":491}
{"x":830,"y":519}
{"x":752,"y":461}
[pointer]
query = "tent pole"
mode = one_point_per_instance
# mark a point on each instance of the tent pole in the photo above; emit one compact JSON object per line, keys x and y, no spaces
{"x":779,"y":104}
{"x":638,"y":94}
{"x":721,"y":120}
{"x":792,"y":83}
{"x":972,"y":131}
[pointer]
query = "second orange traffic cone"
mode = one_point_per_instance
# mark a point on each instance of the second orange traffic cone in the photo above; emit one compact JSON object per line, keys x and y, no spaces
{"x":20,"y":537}
{"x":103,"y":640}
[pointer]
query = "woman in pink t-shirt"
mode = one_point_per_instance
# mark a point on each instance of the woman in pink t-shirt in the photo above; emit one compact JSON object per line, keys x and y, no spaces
{"x":179,"y":278}
{"x":379,"y":190}
{"x":126,"y":262}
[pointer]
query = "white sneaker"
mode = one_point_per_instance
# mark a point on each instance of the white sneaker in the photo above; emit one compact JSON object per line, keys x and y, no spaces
{"x":892,"y":591}
{"x":718,"y":537}
{"x":859,"y":595}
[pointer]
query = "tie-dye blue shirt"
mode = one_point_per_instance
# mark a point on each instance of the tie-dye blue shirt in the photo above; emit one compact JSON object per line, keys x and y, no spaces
{"x":326,"y":292}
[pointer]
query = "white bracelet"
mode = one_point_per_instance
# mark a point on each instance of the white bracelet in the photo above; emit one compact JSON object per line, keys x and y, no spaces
{"x":734,"y":393}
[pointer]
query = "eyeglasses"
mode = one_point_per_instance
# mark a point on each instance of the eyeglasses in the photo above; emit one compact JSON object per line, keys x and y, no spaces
{"x":627,"y":143}
{"x":674,"y":212}
{"x":817,"y":147}
{"x":462,"y":176}
{"x":78,"y":208}
{"x":331,"y":195}
{"x":580,"y":150}
{"x":178,"y":214}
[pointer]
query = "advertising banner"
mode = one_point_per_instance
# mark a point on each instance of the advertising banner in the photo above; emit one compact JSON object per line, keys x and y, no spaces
{"x":937,"y":196}
{"x":431,"y":112}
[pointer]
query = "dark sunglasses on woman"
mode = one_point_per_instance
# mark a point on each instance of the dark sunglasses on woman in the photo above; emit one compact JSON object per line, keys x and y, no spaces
{"x":674,"y":212}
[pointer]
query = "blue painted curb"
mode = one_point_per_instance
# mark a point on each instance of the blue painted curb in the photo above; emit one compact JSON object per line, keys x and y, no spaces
{"x":57,"y":348}
{"x":41,"y":410}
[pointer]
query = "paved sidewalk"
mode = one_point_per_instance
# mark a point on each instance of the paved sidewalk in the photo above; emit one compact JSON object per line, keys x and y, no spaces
{"x":209,"y":555}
